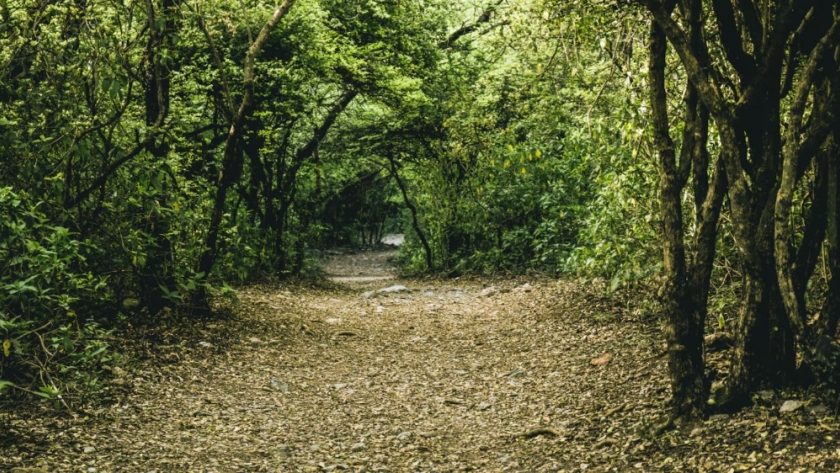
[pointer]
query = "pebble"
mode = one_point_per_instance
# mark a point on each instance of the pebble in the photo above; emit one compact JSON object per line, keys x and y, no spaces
{"x":358,"y":447}
{"x":790,"y":405}
{"x":818,"y":410}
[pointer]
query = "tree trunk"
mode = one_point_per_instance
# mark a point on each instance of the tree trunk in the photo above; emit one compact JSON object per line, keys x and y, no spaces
{"x":156,"y":280}
{"x":415,"y":223}
{"x":684,"y":336}
{"x":233,"y":156}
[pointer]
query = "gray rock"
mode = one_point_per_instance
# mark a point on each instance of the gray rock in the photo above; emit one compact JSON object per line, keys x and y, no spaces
{"x":397,"y":288}
{"x":205,"y":344}
{"x":525,"y":287}
{"x":482,"y":406}
{"x":358,"y":447}
{"x":406,"y":436}
{"x":392,"y":289}
{"x":818,"y":410}
{"x":89,"y":449}
{"x":517,"y":373}
{"x":766,"y":395}
{"x":489,"y":291}
{"x":278,"y":385}
{"x":790,"y":405}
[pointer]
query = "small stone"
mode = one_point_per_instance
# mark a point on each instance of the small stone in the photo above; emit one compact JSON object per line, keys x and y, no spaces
{"x":818,"y":410}
{"x":696,"y":431}
{"x":766,"y":395}
{"x":392,"y":289}
{"x":278,"y":385}
{"x":517,"y":373}
{"x":601,"y":360}
{"x":489,"y":291}
{"x":790,"y":405}
{"x":483,"y":406}
{"x":405,"y":436}
{"x":314,"y":447}
{"x":205,"y":344}
{"x":91,"y":470}
{"x":332,"y":320}
{"x":340,"y":385}
{"x":254,"y":340}
{"x":89,"y":449}
{"x":358,"y":447}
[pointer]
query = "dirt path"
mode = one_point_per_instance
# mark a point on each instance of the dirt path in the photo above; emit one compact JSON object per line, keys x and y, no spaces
{"x":441,"y":377}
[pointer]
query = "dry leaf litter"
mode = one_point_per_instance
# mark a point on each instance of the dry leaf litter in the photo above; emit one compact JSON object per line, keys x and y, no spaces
{"x":373,"y":374}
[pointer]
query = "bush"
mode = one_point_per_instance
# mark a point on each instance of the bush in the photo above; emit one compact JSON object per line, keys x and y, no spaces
{"x":44,"y":335}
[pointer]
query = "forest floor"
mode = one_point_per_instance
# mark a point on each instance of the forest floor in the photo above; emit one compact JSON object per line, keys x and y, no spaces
{"x":486,"y":375}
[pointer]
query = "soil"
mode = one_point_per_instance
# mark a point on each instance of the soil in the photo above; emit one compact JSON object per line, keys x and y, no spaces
{"x":487,"y":375}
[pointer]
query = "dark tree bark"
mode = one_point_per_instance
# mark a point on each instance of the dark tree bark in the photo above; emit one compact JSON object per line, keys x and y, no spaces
{"x":415,"y":222}
{"x":156,"y":280}
{"x":762,"y":167}
{"x":233,"y":158}
{"x":683,"y":295}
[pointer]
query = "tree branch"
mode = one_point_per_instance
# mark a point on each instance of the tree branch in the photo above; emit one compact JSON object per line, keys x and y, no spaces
{"x":466,"y":29}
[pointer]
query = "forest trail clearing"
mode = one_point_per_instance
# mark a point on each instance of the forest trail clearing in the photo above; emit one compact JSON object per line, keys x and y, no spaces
{"x":445,"y":376}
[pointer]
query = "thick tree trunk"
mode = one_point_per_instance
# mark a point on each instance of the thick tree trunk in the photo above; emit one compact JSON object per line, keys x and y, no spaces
{"x":684,"y":336}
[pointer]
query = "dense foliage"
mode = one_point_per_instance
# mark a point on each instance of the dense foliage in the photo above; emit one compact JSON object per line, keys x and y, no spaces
{"x":155,"y":152}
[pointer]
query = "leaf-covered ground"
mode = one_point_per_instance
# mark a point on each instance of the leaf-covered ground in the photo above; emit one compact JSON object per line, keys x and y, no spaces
{"x":445,"y":376}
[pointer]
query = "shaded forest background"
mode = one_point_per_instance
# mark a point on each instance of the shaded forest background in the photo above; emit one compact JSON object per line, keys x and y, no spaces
{"x":156,"y":153}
